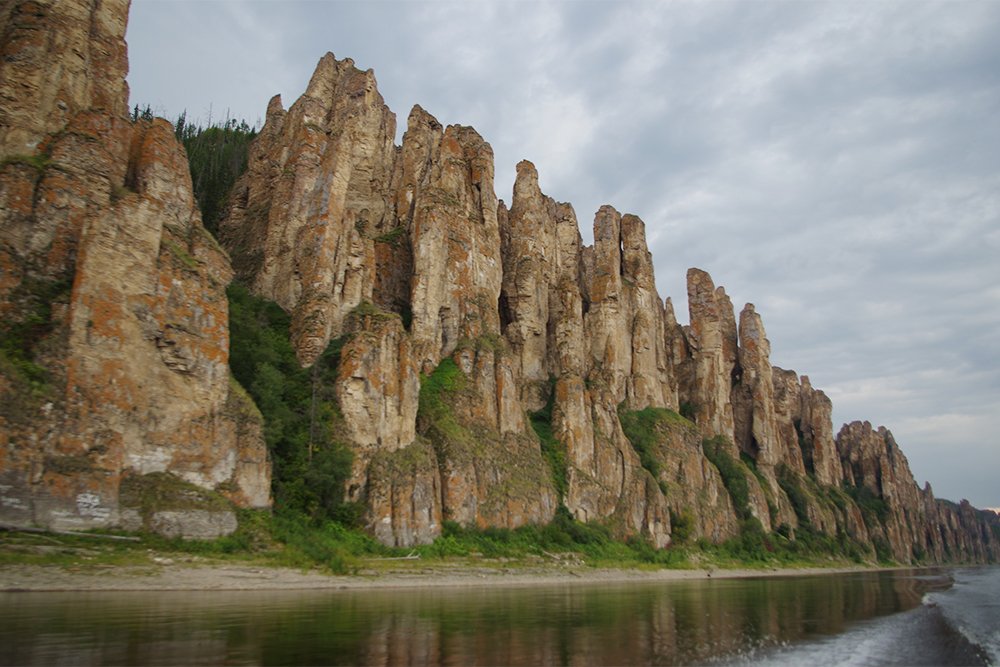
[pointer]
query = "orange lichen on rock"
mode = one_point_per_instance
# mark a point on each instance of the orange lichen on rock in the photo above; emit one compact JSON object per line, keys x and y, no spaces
{"x":135,"y":355}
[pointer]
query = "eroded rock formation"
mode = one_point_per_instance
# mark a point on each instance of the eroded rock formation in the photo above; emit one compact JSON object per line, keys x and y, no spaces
{"x":115,"y":315}
{"x":529,"y":325}
{"x":487,"y":358}
{"x":714,"y":356}
{"x":911,"y":523}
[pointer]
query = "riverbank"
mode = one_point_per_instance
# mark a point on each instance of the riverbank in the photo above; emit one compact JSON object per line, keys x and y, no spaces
{"x":167,"y":574}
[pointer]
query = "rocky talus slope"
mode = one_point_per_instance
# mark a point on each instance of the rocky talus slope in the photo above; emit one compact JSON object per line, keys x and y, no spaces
{"x":490,"y":364}
{"x":114,"y":383}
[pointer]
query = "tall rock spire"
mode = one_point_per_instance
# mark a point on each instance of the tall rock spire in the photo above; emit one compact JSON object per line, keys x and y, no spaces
{"x":714,"y":356}
{"x":455,"y":235}
{"x":301,"y":223}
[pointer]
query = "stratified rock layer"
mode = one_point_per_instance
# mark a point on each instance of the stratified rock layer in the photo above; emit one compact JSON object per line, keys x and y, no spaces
{"x":116,"y":318}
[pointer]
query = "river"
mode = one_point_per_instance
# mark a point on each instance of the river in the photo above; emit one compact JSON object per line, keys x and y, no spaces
{"x":901,"y":617}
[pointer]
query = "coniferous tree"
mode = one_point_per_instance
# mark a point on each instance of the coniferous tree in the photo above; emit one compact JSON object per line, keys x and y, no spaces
{"x":217,"y":155}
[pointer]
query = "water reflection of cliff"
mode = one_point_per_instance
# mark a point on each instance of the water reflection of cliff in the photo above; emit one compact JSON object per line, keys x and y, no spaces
{"x":681,"y":622}
{"x":687,"y":622}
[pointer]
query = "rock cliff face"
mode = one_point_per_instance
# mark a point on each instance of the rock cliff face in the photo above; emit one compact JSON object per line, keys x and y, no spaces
{"x":59,"y":58}
{"x":115,"y":338}
{"x":523,"y":325}
{"x":297,"y":223}
{"x":714,"y":351}
{"x":490,"y":365}
{"x":912,"y":524}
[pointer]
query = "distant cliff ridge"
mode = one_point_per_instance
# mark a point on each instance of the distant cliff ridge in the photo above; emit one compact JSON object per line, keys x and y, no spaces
{"x":491,"y":367}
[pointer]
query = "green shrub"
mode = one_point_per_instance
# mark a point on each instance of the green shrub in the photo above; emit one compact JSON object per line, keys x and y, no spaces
{"x":553,"y":450}
{"x":790,"y":483}
{"x":564,"y":533}
{"x":873,"y":508}
{"x":882,"y":550}
{"x":446,"y":379}
{"x":641,"y":430}
{"x":311,"y":461}
{"x":733,"y":474}
{"x":751,"y":464}
{"x":681,"y":525}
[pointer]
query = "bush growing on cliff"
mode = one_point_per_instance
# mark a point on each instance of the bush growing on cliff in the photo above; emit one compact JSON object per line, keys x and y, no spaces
{"x":553,"y":450}
{"x":301,"y":417}
{"x":640,"y":429}
{"x":733,"y":475}
{"x":682,"y":525}
{"x":564,"y":534}
{"x":791,"y":485}
{"x":873,"y":508}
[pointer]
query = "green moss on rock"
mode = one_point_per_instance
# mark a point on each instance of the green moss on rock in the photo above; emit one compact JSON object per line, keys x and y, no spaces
{"x":159,"y":491}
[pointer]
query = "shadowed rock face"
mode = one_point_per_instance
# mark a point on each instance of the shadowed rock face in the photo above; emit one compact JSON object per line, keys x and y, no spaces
{"x":462,"y":323}
{"x":112,"y":287}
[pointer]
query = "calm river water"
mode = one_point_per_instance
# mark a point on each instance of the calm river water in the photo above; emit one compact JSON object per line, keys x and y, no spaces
{"x":900,"y":617}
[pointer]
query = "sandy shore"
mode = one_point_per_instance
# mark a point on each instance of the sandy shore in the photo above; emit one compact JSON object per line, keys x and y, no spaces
{"x":175,"y":576}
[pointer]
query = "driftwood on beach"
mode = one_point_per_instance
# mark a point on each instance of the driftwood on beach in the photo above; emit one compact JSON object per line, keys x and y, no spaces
{"x":27,"y":529}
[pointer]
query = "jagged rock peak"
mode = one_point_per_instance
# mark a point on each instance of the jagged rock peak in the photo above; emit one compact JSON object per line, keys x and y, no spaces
{"x":710,"y":311}
{"x":274,"y":107}
{"x":540,"y":301}
{"x":454,"y":230}
{"x":301,"y":221}
{"x":817,"y":433}
{"x":755,"y":420}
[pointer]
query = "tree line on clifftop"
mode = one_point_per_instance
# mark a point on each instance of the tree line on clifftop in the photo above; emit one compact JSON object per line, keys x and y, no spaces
{"x":217,"y":156}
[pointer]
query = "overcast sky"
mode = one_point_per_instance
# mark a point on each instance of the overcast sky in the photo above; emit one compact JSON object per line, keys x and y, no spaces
{"x":835,"y":163}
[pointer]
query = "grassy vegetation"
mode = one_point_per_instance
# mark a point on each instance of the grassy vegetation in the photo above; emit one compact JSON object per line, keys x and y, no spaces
{"x":279,"y":540}
{"x":641,"y":429}
{"x":873,"y":509}
{"x":588,"y":543}
{"x":294,"y":540}
{"x":433,"y":410}
{"x":37,"y":162}
{"x":733,"y":475}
